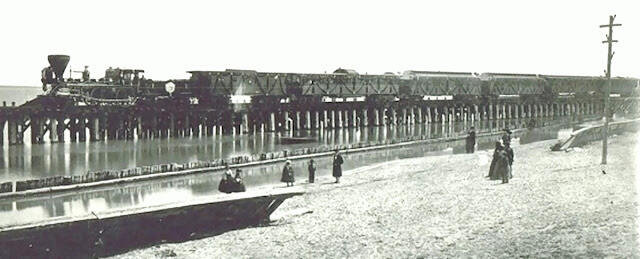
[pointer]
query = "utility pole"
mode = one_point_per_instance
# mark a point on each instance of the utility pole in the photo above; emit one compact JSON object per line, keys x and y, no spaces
{"x":607,"y":89}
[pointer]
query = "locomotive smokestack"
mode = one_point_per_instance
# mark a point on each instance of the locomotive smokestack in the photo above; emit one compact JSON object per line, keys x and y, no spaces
{"x":58,"y":64}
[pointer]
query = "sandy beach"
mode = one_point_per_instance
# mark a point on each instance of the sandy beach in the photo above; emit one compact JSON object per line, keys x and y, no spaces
{"x":559,"y":204}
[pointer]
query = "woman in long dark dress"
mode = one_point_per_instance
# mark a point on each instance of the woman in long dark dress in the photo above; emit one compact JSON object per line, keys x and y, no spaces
{"x":224,"y":186}
{"x":226,"y":183}
{"x":337,"y":166}
{"x":496,"y":155}
{"x":231,"y":183}
{"x":287,"y":174}
{"x":238,"y":183}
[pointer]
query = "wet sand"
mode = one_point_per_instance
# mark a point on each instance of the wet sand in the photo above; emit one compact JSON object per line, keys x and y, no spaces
{"x":559,"y":204}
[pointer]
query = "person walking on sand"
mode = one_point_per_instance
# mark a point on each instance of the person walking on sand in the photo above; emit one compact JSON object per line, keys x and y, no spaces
{"x":312,"y":171}
{"x":287,"y":174}
{"x":471,"y":140}
{"x":337,"y":166}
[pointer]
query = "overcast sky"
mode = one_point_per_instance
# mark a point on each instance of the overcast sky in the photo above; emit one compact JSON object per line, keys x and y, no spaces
{"x":167,"y":39}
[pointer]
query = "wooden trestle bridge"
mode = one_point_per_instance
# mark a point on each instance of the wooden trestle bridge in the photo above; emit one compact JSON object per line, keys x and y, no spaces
{"x":242,"y":101}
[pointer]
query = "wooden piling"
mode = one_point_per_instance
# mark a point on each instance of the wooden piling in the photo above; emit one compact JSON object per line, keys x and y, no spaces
{"x":365,"y":118}
{"x":53,"y":130}
{"x":354,"y":118}
{"x":285,"y":115}
{"x":73,"y":129}
{"x":11,"y":131}
{"x":2,"y":123}
{"x":82,"y":128}
{"x":394,"y":116}
{"x":376,"y":117}
{"x":36,"y":130}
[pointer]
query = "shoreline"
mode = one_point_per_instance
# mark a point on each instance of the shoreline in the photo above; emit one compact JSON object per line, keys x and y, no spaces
{"x":184,"y":172}
{"x":558,"y":204}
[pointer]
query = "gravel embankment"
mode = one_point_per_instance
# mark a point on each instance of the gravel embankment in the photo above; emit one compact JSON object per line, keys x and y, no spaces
{"x":559,"y":204}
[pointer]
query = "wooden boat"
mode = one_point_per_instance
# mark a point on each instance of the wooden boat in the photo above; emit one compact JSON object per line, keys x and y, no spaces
{"x":112,"y":232}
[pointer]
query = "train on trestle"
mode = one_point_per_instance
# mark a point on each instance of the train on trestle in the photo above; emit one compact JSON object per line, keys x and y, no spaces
{"x":215,"y":86}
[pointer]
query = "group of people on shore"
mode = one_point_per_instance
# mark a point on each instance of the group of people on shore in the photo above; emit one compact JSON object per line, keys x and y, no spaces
{"x":500,"y":165}
{"x":288,"y":175}
{"x":231,"y":182}
{"x":502,"y":155}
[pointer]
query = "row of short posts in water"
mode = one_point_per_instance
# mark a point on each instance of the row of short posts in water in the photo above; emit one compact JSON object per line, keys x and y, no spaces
{"x":342,"y":117}
{"x":98,"y":123}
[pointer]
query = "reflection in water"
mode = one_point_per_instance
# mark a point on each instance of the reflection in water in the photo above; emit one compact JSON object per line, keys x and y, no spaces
{"x":162,"y":191}
{"x":51,"y":159}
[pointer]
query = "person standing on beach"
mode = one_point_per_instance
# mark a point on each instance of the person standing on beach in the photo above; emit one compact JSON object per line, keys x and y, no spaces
{"x":287,"y":174}
{"x":492,"y":169}
{"x":337,"y":166}
{"x":471,"y":140}
{"x":312,"y":171}
{"x":500,"y":168}
{"x":509,"y":152}
{"x":506,"y":137}
{"x":503,"y":168}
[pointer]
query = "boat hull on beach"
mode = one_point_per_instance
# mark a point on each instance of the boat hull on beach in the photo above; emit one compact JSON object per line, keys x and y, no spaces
{"x":113,"y":232}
